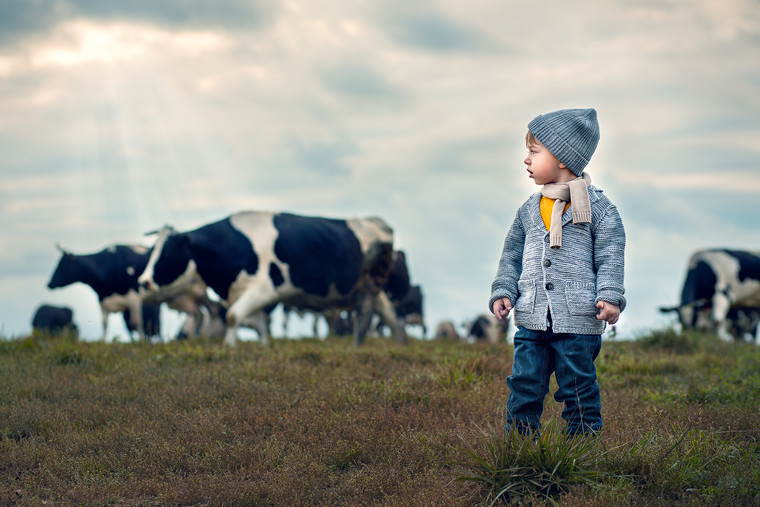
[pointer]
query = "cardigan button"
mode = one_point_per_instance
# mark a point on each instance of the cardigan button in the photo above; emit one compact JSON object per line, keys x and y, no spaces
{"x":547,"y":262}
{"x":549,"y":286}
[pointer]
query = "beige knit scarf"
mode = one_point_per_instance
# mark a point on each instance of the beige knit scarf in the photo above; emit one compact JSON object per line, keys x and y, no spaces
{"x":575,"y":192}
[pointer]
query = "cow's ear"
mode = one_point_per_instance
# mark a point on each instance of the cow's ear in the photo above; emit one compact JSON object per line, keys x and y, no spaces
{"x":60,"y":249}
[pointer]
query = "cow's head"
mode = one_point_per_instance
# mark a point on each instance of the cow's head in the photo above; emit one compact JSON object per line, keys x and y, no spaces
{"x":696,"y":315}
{"x":169,"y":260}
{"x":67,"y":270}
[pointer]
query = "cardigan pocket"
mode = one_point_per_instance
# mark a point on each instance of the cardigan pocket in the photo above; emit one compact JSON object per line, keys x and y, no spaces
{"x":526,"y":301}
{"x":581,"y":297}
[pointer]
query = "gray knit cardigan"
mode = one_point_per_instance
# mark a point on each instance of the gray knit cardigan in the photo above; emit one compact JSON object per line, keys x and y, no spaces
{"x":568,"y":281}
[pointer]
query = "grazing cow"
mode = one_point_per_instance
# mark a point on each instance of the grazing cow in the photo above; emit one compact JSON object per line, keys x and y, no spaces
{"x":112,"y":273}
{"x":722,"y":289}
{"x":406,"y":301}
{"x":339,"y":323}
{"x":487,"y":328}
{"x":409,"y":308}
{"x":743,"y":322}
{"x":54,"y":319}
{"x":398,"y":279}
{"x":256,"y":259}
{"x":446,"y":331}
{"x":406,"y":298}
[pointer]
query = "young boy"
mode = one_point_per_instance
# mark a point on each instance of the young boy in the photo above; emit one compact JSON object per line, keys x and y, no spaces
{"x":561,"y":271}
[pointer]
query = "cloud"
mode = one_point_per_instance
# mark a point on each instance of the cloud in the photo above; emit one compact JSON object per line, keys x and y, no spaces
{"x":422,"y":27}
{"x":684,"y":181}
{"x":33,"y":19}
{"x":360,"y":84}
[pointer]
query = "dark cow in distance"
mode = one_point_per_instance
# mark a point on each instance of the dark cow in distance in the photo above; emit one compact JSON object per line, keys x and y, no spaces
{"x":445,"y":330}
{"x":744,"y":322}
{"x":486,"y":328}
{"x":54,"y":320}
{"x":398,"y":279}
{"x":721,"y":292}
{"x":150,"y":316}
{"x":409,"y":308}
{"x":255,"y":259}
{"x":112,"y":273}
{"x":405,"y":297}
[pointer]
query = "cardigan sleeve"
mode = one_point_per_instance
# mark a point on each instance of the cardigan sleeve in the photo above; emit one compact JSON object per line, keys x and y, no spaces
{"x":510,"y":265}
{"x":609,"y":258}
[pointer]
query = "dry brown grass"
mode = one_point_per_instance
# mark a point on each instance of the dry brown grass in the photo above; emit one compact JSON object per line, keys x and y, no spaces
{"x":320,"y":422}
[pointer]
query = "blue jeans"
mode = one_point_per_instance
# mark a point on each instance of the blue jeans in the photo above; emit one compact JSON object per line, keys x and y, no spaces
{"x":570,"y":357}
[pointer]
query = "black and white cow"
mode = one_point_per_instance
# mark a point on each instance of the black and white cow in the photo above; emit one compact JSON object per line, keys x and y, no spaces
{"x":254,"y":259}
{"x":406,"y":298}
{"x":406,"y":301}
{"x":721,"y":290}
{"x":743,"y":322}
{"x":486,"y":328}
{"x":398,"y":279}
{"x":54,"y":320}
{"x":409,"y":308}
{"x":112,"y":273}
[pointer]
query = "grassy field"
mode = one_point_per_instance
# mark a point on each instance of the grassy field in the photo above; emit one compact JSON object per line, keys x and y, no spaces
{"x":308,"y":422}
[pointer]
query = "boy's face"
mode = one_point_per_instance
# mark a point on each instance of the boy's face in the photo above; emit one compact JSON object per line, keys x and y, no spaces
{"x":544,"y":167}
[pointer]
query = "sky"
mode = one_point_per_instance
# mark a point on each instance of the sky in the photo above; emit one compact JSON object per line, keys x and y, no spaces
{"x":119,"y":117}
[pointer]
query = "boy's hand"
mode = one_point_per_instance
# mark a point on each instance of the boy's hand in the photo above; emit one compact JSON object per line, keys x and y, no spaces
{"x":501,"y":308}
{"x":607,"y":311}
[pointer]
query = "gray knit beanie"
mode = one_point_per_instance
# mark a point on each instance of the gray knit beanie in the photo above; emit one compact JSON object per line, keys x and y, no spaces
{"x":571,"y":135}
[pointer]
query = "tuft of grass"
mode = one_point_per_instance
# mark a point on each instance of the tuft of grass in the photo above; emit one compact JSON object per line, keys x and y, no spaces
{"x":510,"y":467}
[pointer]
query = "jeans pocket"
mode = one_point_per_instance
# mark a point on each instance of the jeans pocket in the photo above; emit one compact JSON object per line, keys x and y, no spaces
{"x":581,"y":297}
{"x":526,"y":301}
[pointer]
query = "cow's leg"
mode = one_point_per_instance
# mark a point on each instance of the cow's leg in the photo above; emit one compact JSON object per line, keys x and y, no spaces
{"x":141,"y":336}
{"x":316,"y":321}
{"x":384,"y":308}
{"x":104,"y":311}
{"x":415,"y":319}
{"x":245,"y":306}
{"x":364,"y":314}
{"x":194,"y":314}
{"x":230,"y":335}
{"x":332,"y":317}
{"x":285,"y":320}
{"x":720,"y":307}
{"x":259,"y":322}
{"x":135,"y":311}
